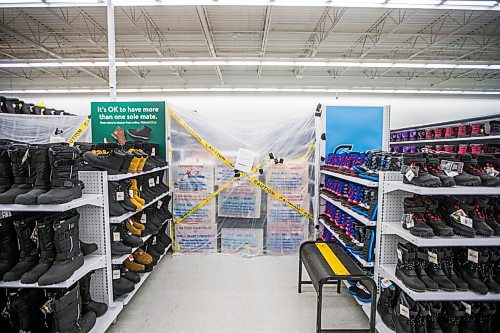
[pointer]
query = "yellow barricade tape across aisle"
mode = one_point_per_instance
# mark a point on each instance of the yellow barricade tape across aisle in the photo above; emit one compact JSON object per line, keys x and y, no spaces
{"x":82,"y":128}
{"x":253,"y":180}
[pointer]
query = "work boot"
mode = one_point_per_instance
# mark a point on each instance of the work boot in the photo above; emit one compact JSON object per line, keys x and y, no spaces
{"x":386,"y":302}
{"x":128,"y":202}
{"x":39,"y":161}
{"x":116,"y":196}
{"x":487,"y":260}
{"x":124,"y":168}
{"x":141,"y":257}
{"x":433,"y":166}
{"x":6,"y":177}
{"x":136,"y":160}
{"x":9,"y":251}
{"x":130,"y":227}
{"x":451,"y":210}
{"x":69,"y":256}
{"x":467,"y":266}
{"x":45,"y":239}
{"x":420,"y":267}
{"x":106,"y":161}
{"x":434,"y":220}
{"x":24,"y":174}
{"x":450,"y":316}
{"x":26,"y":307}
{"x":126,"y":236}
{"x":133,"y":266}
{"x":467,"y":323}
{"x":404,"y":314}
{"x":66,"y":187}
{"x":484,"y":317}
{"x":144,"y":157}
{"x":28,"y":251}
{"x":119,"y":135}
{"x":471,"y":167}
{"x":435,"y":272}
{"x":405,"y":269}
{"x":136,"y":194}
{"x":447,"y":265}
{"x":68,"y":316}
{"x":143,"y":132}
{"x":423,"y":178}
{"x":87,"y":302}
{"x":435,"y":309}
{"x":417,"y":226}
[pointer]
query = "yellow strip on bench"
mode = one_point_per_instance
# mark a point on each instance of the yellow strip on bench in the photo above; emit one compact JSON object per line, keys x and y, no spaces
{"x":335,"y":264}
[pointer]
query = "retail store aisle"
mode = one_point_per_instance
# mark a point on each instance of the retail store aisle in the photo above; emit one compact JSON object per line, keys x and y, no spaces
{"x":222,"y":293}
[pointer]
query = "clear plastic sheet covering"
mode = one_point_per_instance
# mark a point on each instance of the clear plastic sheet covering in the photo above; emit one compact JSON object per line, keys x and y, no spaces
{"x":39,"y":129}
{"x":242,"y":218}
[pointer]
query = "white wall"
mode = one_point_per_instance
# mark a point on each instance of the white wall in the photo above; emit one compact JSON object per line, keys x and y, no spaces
{"x":406,"y":110}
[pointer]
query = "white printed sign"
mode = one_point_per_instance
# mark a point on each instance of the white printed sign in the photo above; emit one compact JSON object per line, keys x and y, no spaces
{"x":242,"y":240}
{"x":200,"y":238}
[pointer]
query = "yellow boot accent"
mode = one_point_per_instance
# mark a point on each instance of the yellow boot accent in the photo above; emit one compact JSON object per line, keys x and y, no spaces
{"x":134,"y":163}
{"x":132,"y":229}
{"x":138,"y":225}
{"x":136,"y":192}
{"x":136,"y":203}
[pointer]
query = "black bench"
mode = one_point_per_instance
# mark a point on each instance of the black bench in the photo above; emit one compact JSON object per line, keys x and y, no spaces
{"x":327,"y":263}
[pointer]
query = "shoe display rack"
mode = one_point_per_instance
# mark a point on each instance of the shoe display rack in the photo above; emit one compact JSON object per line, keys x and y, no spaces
{"x":391,"y":232}
{"x":94,"y":225}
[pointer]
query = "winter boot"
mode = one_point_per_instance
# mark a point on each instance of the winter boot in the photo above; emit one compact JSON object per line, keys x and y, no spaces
{"x":69,"y":256}
{"x":64,"y":161}
{"x":423,"y":178}
{"x":420,"y":267}
{"x":450,"y":316}
{"x":434,"y":220}
{"x":436,"y":273}
{"x":489,"y":217}
{"x":27,"y":307}
{"x":487,"y":260}
{"x":485,"y":316}
{"x":467,"y":323}
{"x":28,"y":251}
{"x":9,"y":251}
{"x":6,"y":176}
{"x":24,"y":174}
{"x":88,"y":248}
{"x":126,"y":274}
{"x":476,"y":212}
{"x":386,"y":302}
{"x":471,"y":167}
{"x":404,"y":314}
{"x":68,"y":316}
{"x":368,"y":245}
{"x":416,"y":225}
{"x":124,"y":168}
{"x":87,"y":302}
{"x":405,"y":269}
{"x":452,"y":208}
{"x":124,"y":186}
{"x":121,"y":285}
{"x":433,"y":166}
{"x":435,"y":309}
{"x":422,"y":316}
{"x":142,"y":257}
{"x":45,"y":239}
{"x":464,"y":178}
{"x":133,"y":266}
{"x":127,"y":237}
{"x":467,"y":265}
{"x":116,"y":197}
{"x":143,"y":132}
{"x":447,"y":264}
{"x":107,"y":161}
{"x":39,"y":161}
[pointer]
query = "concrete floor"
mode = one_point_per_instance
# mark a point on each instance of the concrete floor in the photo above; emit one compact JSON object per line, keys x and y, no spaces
{"x":223,"y":293}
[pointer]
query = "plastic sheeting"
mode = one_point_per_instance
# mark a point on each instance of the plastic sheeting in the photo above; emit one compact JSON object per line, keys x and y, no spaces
{"x":39,"y":129}
{"x":242,"y":218}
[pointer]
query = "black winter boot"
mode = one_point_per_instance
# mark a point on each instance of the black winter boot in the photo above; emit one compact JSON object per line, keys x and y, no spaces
{"x":467,"y":323}
{"x":448,"y":268}
{"x":28,"y":251}
{"x":121,"y":284}
{"x":484,"y":318}
{"x":435,"y":272}
{"x":451,"y":315}
{"x":88,"y":304}
{"x":464,"y":178}
{"x":467,"y":265}
{"x":435,"y":309}
{"x":405,"y":269}
{"x":116,"y":196}
{"x":386,"y":302}
{"x":27,"y":306}
{"x":9,"y":251}
{"x":422,"y":316}
{"x":6,"y":177}
{"x":64,"y":161}
{"x":435,"y":221}
{"x":39,"y":161}
{"x":110,"y":162}
{"x":24,"y":174}
{"x":471,"y":167}
{"x":420,"y":267}
{"x":117,"y":246}
{"x":487,"y":260}
{"x":433,"y":166}
{"x":424,"y":178}
{"x":45,"y":239}
{"x":404,"y":314}
{"x":143,"y":132}
{"x":449,"y":210}
{"x":417,"y":226}
{"x":127,"y":203}
{"x":69,"y":256}
{"x":68,"y":316}
{"x":127,"y":274}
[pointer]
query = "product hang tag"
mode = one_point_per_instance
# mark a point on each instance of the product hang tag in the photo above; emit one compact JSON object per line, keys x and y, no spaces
{"x":131,"y":193}
{"x":473,"y":255}
{"x":400,"y":255}
{"x":451,"y":168}
{"x":140,"y":188}
{"x":432,"y":257}
{"x":491,"y":171}
{"x":404,"y":311}
{"x":116,"y":274}
{"x":120,"y":196}
{"x":410,"y":174}
{"x":130,"y":257}
{"x":386,"y":283}
{"x":48,"y":307}
{"x":153,"y":151}
{"x":456,"y":215}
{"x":143,"y":218}
{"x":151,"y":182}
{"x":408,"y":220}
{"x":157,"y":180}
{"x":468,"y":308}
{"x":159,"y":203}
{"x":116,"y":237}
{"x":466,"y":221}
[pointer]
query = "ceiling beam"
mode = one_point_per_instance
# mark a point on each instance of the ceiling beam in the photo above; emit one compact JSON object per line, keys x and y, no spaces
{"x":209,"y":39}
{"x":265,"y":35}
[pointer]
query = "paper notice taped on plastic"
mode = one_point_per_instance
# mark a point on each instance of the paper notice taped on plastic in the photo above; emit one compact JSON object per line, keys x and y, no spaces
{"x":201,"y":238}
{"x":245,"y":160}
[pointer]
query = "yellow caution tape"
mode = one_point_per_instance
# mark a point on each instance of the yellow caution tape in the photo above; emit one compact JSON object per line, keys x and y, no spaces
{"x":226,"y":161}
{"x":82,"y":128}
{"x":309,"y":150}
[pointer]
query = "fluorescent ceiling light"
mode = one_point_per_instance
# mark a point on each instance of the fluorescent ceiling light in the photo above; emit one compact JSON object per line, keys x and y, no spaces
{"x":471,"y":3}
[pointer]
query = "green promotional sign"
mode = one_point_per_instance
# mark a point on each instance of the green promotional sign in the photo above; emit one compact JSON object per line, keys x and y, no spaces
{"x":129,"y":121}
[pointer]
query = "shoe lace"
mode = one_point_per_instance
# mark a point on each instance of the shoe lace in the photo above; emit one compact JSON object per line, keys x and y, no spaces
{"x":479,"y":212}
{"x":434,"y":217}
{"x":434,"y":169}
{"x":475,"y":168}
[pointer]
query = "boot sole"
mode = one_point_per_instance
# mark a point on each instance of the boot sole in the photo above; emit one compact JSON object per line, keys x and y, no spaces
{"x":138,"y":136}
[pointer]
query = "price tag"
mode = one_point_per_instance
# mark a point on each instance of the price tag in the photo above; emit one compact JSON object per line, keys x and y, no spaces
{"x":386,"y":283}
{"x":120,"y":196}
{"x":116,"y":237}
{"x":491,"y":171}
{"x":153,"y":151}
{"x":408,"y":220}
{"x":157,"y":180}
{"x":468,"y":308}
{"x":140,"y":188}
{"x":130,"y":257}
{"x":400,"y":255}
{"x":466,"y":221}
{"x":154,"y":241}
{"x":457,"y":214}
{"x":131,"y":193}
{"x":432,"y":257}
{"x":151,"y":182}
{"x":143,"y":218}
{"x":404,"y":311}
{"x":130,"y":222}
{"x":158,"y":205}
{"x":410,"y":174}
{"x":116,"y":274}
{"x":473,"y":255}
{"x":454,"y":168}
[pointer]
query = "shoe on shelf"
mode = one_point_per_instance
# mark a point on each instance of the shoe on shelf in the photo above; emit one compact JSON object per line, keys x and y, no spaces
{"x":143,"y":132}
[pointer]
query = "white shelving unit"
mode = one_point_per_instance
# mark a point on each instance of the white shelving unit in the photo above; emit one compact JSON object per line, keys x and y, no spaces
{"x":471,"y":139}
{"x":358,"y":217}
{"x":116,"y":260}
{"x":118,"y":219}
{"x":102,"y":323}
{"x":86,"y":199}
{"x":392,"y":186}
{"x":357,"y":180}
{"x":132,"y":175}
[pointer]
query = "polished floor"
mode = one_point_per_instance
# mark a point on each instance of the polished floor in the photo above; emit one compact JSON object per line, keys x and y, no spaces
{"x":223,"y":293}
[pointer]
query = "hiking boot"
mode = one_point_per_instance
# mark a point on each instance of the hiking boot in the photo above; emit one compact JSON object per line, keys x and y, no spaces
{"x":451,"y":210}
{"x":404,"y":314}
{"x":467,"y":265}
{"x":386,"y":302}
{"x":405,"y":269}
{"x":471,"y":167}
{"x":68,"y":316}
{"x":450,"y":316}
{"x":88,"y":304}
{"x":45,"y":239}
{"x":447,"y":265}
{"x":9,"y":251}
{"x":143,"y":132}
{"x":6,"y":177}
{"x":28,"y":251}
{"x":38,"y":157}
{"x":69,"y":256}
{"x":127,"y":203}
{"x":66,"y":186}
{"x":24,"y":174}
{"x":434,"y":220}
{"x":416,"y":224}
{"x":435,"y":309}
{"x":423,"y":178}
{"x":119,"y":135}
{"x":433,"y":166}
{"x":110,"y":162}
{"x":420,"y":267}
{"x":435,"y":272}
